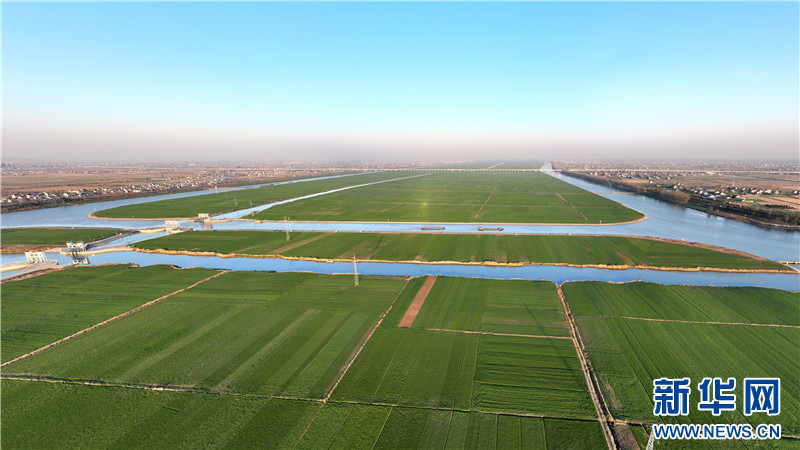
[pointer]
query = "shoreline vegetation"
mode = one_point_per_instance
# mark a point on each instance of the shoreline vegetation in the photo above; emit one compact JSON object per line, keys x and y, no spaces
{"x":596,"y":251}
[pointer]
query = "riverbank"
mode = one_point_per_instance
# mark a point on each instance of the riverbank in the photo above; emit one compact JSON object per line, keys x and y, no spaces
{"x":462,"y":263}
{"x":599,"y":251}
{"x":726,"y":210}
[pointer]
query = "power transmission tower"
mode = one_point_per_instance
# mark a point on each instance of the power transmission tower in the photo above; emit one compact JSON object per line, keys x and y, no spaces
{"x":286,"y":222}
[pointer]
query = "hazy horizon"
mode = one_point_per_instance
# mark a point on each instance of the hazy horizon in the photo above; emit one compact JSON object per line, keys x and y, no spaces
{"x":400,"y":81}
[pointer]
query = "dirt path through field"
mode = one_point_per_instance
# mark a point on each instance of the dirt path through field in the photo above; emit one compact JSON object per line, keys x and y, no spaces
{"x":498,"y":334}
{"x":774,"y":325}
{"x":413,"y":309}
{"x":128,"y":313}
{"x":606,"y":420}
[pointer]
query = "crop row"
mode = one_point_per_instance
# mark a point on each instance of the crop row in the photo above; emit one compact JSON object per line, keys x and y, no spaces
{"x":541,"y":249}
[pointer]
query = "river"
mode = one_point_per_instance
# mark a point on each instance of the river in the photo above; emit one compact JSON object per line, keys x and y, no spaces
{"x":663,"y":220}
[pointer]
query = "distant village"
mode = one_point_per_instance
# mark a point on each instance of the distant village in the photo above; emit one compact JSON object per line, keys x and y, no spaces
{"x":205,"y":176}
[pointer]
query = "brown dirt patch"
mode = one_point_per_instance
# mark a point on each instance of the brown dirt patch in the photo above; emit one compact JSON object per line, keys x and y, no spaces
{"x":416,"y":305}
{"x":625,"y":437}
{"x":627,"y":260}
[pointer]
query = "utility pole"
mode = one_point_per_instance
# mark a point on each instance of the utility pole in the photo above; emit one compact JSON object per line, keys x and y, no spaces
{"x":355,"y":271}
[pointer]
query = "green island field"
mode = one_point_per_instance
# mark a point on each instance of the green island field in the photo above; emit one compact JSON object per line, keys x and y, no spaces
{"x":638,"y":332}
{"x":260,"y":359}
{"x":16,"y":237}
{"x":465,"y":248}
{"x":482,"y":197}
{"x":221,"y":202}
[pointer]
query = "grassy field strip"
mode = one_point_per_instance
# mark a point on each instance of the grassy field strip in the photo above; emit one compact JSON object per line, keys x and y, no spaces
{"x":282,"y":337}
{"x":594,"y":388}
{"x":416,"y":304}
{"x":125,"y":314}
{"x":361,"y":347}
{"x":706,"y":323}
{"x":449,"y":248}
{"x":489,"y":333}
{"x":350,"y":362}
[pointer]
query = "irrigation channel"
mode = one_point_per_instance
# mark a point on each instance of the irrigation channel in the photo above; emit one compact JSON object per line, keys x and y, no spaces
{"x":663,"y":220}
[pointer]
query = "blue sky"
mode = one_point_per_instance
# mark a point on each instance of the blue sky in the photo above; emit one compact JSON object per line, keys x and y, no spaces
{"x":265,"y":81}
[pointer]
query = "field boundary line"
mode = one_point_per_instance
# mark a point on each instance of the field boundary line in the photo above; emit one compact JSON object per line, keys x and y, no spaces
{"x":773,"y":325}
{"x":603,"y":414}
{"x":491,"y":333}
{"x":120,"y":316}
{"x":413,"y":309}
{"x":487,"y":199}
{"x":461,"y":410}
{"x":145,"y":387}
{"x":573,"y":208}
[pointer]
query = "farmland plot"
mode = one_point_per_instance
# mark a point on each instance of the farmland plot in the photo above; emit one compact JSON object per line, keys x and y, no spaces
{"x":43,"y":309}
{"x":467,"y":248}
{"x":628,"y":353}
{"x":695,"y":303}
{"x":342,"y":425}
{"x":513,"y":306}
{"x":462,"y":197}
{"x":468,"y":372}
{"x":44,"y":415}
{"x":259,"y":333}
